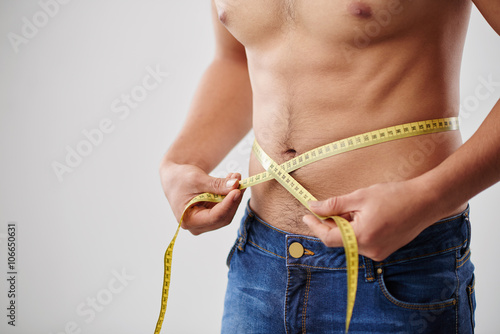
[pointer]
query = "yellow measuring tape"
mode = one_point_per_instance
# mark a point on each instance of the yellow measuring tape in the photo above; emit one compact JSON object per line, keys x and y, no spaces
{"x":280,"y":173}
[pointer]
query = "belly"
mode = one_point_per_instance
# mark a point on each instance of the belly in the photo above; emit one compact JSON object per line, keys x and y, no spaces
{"x":387,"y":162}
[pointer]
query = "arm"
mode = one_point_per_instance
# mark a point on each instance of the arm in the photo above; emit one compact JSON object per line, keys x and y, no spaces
{"x":475,"y":166}
{"x":219,"y":116}
{"x":387,"y":216}
{"x":490,"y":9}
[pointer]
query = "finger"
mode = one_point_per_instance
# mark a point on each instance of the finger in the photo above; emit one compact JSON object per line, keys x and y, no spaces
{"x":220,"y":186}
{"x":227,"y":208}
{"x":221,"y":214}
{"x":333,"y":206}
{"x":326,"y":231}
{"x":234,"y":176}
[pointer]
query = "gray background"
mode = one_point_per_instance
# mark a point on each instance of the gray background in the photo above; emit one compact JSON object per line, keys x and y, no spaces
{"x":109,"y":214}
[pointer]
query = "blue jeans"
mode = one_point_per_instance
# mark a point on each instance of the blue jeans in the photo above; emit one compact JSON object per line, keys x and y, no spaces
{"x":426,"y":286}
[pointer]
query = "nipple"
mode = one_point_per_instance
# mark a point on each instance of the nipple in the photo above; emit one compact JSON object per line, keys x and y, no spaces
{"x":360,"y":9}
{"x":222,"y":16}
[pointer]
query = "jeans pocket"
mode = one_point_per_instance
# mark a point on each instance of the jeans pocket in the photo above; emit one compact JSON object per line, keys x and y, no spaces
{"x":472,"y":300}
{"x":428,"y":283}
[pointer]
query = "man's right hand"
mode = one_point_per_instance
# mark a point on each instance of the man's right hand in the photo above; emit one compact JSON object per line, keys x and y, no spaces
{"x":181,"y":183}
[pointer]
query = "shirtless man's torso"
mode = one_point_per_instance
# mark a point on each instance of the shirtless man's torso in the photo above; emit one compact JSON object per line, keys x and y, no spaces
{"x":326,"y":70}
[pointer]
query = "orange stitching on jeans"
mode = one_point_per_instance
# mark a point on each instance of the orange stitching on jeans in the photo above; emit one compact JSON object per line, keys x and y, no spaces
{"x":467,"y":251}
{"x":464,"y":261}
{"x":265,"y":250}
{"x":369,"y":269}
{"x":426,"y":307}
{"x":463,"y":258}
{"x":446,"y":220}
{"x":472,"y":287}
{"x":286,"y":301}
{"x":318,"y":267}
{"x":306,"y":298}
{"x":308,"y":252}
{"x":424,"y":255}
{"x":457,"y":216}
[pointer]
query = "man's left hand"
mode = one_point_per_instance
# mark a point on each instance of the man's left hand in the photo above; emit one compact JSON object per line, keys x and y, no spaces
{"x":384,"y":217}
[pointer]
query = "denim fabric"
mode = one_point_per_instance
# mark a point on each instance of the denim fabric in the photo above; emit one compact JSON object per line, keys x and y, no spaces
{"x":426,"y":286}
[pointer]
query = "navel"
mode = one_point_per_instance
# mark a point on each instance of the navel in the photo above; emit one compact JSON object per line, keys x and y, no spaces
{"x":289,"y":154}
{"x":359,"y":9}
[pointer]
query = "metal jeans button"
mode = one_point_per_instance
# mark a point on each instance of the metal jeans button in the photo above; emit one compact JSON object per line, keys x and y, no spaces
{"x":296,"y":250}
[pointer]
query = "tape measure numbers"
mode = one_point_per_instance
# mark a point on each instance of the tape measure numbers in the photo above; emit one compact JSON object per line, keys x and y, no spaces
{"x":280,"y":173}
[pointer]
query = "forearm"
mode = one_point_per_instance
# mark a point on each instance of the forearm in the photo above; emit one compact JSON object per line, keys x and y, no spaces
{"x":219,"y":117}
{"x":474,"y":167}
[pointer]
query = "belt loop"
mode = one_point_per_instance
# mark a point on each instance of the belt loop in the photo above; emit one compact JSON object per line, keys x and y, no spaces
{"x":468,"y":227}
{"x":369,"y":277}
{"x":243,"y":231}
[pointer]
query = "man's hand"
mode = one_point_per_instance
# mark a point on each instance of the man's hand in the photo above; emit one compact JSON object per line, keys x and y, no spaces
{"x":384,"y":217}
{"x":181,"y":183}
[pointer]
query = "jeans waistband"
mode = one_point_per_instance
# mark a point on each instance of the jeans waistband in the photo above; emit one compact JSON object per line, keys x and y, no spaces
{"x":446,"y":235}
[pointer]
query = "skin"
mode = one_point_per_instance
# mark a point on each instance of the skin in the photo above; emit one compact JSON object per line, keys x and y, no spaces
{"x":306,"y":73}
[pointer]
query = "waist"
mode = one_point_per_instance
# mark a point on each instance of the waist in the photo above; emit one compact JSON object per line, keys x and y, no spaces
{"x":341,"y":174}
{"x":446,"y":235}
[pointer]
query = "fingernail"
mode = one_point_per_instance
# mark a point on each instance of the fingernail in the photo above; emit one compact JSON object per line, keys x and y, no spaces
{"x":314,"y":204}
{"x":237,"y":196}
{"x":231,"y":183}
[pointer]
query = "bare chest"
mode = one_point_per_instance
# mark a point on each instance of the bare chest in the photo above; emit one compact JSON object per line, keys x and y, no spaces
{"x":255,"y":22}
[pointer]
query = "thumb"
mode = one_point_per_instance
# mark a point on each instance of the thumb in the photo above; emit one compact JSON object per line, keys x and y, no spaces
{"x":333,"y":206}
{"x":220,"y":186}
